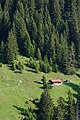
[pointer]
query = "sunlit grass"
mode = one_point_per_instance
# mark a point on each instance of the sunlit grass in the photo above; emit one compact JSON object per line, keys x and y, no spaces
{"x":16,"y":89}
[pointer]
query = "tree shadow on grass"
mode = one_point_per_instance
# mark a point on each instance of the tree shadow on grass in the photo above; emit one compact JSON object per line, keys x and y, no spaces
{"x":26,"y":112}
{"x":21,"y":110}
{"x":17,"y":71}
{"x":31,"y":71}
{"x":38,"y":82}
{"x":74,"y":86}
{"x":78,"y":75}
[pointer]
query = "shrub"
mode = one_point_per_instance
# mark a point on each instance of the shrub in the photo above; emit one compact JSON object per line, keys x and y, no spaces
{"x":13,"y":65}
{"x":31,"y":63}
{"x":0,"y":64}
{"x":20,"y":66}
{"x":37,"y":68}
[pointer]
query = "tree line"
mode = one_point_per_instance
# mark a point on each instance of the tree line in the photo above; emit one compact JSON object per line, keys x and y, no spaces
{"x":41,"y":28}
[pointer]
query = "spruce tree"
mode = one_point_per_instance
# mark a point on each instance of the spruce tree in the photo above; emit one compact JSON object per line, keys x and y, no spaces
{"x":38,"y":54}
{"x":21,"y":30}
{"x":44,"y":80}
{"x":1,"y":18}
{"x":45,"y":106}
{"x":70,"y":107}
{"x":11,"y":47}
{"x":28,"y":47}
{"x":78,"y":105}
{"x":61,"y":109}
{"x":2,"y":52}
{"x":6,"y":22}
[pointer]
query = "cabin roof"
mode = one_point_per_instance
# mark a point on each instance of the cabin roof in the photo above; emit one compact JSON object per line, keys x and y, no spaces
{"x":56,"y":81}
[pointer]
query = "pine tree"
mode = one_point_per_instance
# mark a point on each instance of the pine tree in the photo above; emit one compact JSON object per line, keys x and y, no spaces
{"x":45,"y":106}
{"x":2,"y":52}
{"x":1,"y":18}
{"x":37,"y":68}
{"x":72,"y":55}
{"x":44,"y":80}
{"x":61,"y":109}
{"x":52,"y":49}
{"x":6,"y":22}
{"x":70,"y":107}
{"x":20,"y":66}
{"x":31,"y":6}
{"x":21,"y":30}
{"x":38,"y":54}
{"x":20,"y":8}
{"x":70,"y":8}
{"x":40,"y":35}
{"x":78,"y":105}
{"x":33,"y":29}
{"x":28,"y":47}
{"x":30,"y":115}
{"x":11,"y":47}
{"x":65,"y":54}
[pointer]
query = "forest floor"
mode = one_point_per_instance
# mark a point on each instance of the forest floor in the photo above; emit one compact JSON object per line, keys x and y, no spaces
{"x":16,"y":89}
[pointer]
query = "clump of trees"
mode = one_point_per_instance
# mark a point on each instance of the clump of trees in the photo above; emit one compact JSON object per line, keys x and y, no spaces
{"x":17,"y":65}
{"x":43,"y":66}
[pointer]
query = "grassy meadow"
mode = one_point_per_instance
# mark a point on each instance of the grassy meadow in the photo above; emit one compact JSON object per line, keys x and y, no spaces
{"x":16,"y":89}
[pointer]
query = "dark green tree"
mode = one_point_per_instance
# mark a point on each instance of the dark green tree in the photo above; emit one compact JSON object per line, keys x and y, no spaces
{"x":2,"y":52}
{"x":45,"y":106}
{"x":20,"y":66}
{"x":6,"y":22}
{"x":11,"y":47}
{"x":61,"y":109}
{"x":1,"y":18}
{"x":70,"y":107}
{"x":44,"y":81}
{"x":38,"y":54}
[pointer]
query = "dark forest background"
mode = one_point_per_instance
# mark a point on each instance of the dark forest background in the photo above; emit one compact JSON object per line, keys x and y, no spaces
{"x":48,"y":30}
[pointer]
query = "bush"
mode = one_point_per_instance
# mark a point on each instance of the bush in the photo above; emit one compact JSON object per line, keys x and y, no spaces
{"x":20,"y":66}
{"x":44,"y":82}
{"x":31,"y":63}
{"x":0,"y":64}
{"x":43,"y":79}
{"x":45,"y":67}
{"x":13,"y":65}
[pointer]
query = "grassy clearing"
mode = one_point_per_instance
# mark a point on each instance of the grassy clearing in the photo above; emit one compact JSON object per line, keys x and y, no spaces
{"x":16,"y":89}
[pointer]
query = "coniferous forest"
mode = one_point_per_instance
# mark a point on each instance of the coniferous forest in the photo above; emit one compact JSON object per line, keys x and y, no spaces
{"x":48,"y":33}
{"x":48,"y":30}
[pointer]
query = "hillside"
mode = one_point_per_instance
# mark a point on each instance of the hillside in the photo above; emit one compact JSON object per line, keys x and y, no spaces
{"x":14,"y":93}
{"x":39,"y":38}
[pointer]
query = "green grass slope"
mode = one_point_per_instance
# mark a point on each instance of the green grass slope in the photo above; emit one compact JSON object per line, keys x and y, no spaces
{"x":16,"y":89}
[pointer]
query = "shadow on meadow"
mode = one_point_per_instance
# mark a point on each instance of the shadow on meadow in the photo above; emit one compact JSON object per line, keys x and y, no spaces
{"x":31,"y":71}
{"x":28,"y":112}
{"x":37,"y":82}
{"x":75,"y":87}
{"x":21,"y":110}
